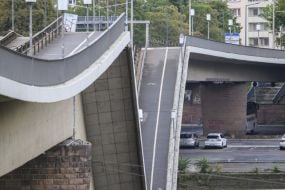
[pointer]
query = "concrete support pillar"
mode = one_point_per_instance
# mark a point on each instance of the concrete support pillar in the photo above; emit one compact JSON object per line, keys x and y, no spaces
{"x":224,"y":108}
{"x":111,"y":128}
{"x":65,"y":166}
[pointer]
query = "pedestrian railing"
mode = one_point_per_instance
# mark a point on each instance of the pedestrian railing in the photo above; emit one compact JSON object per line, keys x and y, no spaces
{"x":42,"y":38}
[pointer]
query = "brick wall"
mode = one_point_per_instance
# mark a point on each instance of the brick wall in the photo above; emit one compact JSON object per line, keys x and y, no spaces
{"x":271,"y":115}
{"x":111,"y":128}
{"x":224,"y":108}
{"x":64,"y":167}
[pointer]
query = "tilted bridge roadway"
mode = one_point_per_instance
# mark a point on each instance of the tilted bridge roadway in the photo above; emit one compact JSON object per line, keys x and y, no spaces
{"x":106,"y":108}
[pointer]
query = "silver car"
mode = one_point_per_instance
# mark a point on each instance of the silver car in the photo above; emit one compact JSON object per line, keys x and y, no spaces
{"x":189,"y":140}
{"x":282,"y":142}
{"x":216,"y":140}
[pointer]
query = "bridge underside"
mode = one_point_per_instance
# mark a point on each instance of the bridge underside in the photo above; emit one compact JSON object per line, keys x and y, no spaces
{"x":204,"y":67}
{"x":223,"y":71}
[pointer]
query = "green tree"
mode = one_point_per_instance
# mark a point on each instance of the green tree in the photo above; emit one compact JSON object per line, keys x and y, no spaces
{"x":220,"y":14}
{"x":279,"y":19}
{"x":22,"y":16}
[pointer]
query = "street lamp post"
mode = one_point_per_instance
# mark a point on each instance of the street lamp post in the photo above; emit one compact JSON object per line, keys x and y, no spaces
{"x":87,"y":3}
{"x":94,"y":13}
{"x":13,"y":13}
{"x":127,"y":7}
{"x":273,"y":25}
{"x":190,"y":24}
{"x":192,"y":13}
{"x":257,"y":27}
{"x":30,"y":3}
{"x":107,"y":14}
{"x":208,"y":18}
{"x":230,"y":22}
{"x":62,"y":5}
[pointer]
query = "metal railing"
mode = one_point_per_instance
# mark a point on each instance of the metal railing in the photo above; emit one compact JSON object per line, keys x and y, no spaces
{"x":8,"y":38}
{"x":43,"y":37}
{"x":95,"y":19}
{"x":279,"y":94}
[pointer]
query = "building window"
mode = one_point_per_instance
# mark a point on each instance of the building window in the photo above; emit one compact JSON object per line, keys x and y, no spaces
{"x":236,"y":12}
{"x":253,"y":41}
{"x":263,"y":27}
{"x":72,"y":2}
{"x":255,"y":11}
{"x":264,"y":41}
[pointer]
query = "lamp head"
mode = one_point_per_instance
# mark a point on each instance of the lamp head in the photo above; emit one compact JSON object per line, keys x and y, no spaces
{"x":30,"y":1}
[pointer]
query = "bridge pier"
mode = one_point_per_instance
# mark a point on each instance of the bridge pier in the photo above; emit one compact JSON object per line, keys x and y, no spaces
{"x":224,"y":108}
{"x":110,"y":120}
{"x":65,"y":166}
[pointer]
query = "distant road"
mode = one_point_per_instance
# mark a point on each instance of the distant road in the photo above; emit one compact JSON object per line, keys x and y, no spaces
{"x":241,"y":155}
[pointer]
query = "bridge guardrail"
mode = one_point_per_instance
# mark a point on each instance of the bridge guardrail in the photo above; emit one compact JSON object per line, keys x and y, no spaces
{"x":43,"y":37}
{"x":42,"y":72}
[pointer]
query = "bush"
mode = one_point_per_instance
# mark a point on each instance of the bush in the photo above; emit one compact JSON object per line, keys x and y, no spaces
{"x":276,"y":169}
{"x":255,"y":170}
{"x":204,"y":166}
{"x":183,"y":164}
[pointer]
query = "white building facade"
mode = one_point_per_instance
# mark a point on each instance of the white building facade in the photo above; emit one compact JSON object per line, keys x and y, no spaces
{"x":256,"y":31}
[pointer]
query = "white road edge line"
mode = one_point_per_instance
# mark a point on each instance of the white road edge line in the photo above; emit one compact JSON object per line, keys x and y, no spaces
{"x":81,"y":45}
{"x":157,"y":119}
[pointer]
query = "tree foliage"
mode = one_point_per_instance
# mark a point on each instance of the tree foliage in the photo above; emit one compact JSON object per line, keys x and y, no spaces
{"x":279,"y":19}
{"x":21,"y":11}
{"x":168,"y":18}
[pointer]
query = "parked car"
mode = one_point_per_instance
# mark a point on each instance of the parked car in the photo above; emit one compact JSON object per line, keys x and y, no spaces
{"x":189,"y":140}
{"x":282,"y":142}
{"x":216,"y":140}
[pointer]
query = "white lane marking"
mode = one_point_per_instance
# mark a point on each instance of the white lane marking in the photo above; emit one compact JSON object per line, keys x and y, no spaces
{"x":80,"y":45}
{"x":157,"y":119}
{"x":151,"y":84}
{"x":253,"y":146}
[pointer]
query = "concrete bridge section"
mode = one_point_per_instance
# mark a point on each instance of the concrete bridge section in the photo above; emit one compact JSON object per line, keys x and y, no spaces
{"x":215,"y":61}
{"x":49,"y":104}
{"x":222,"y":71}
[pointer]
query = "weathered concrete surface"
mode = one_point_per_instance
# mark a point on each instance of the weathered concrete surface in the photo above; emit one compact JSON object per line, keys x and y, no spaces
{"x":110,"y":117}
{"x":65,"y":166}
{"x":271,"y":115}
{"x":224,"y":108}
{"x":29,"y":129}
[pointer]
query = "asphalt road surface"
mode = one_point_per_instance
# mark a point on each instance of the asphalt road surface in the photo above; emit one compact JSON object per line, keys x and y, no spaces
{"x":73,"y":42}
{"x":156,"y":101}
{"x":241,"y":155}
